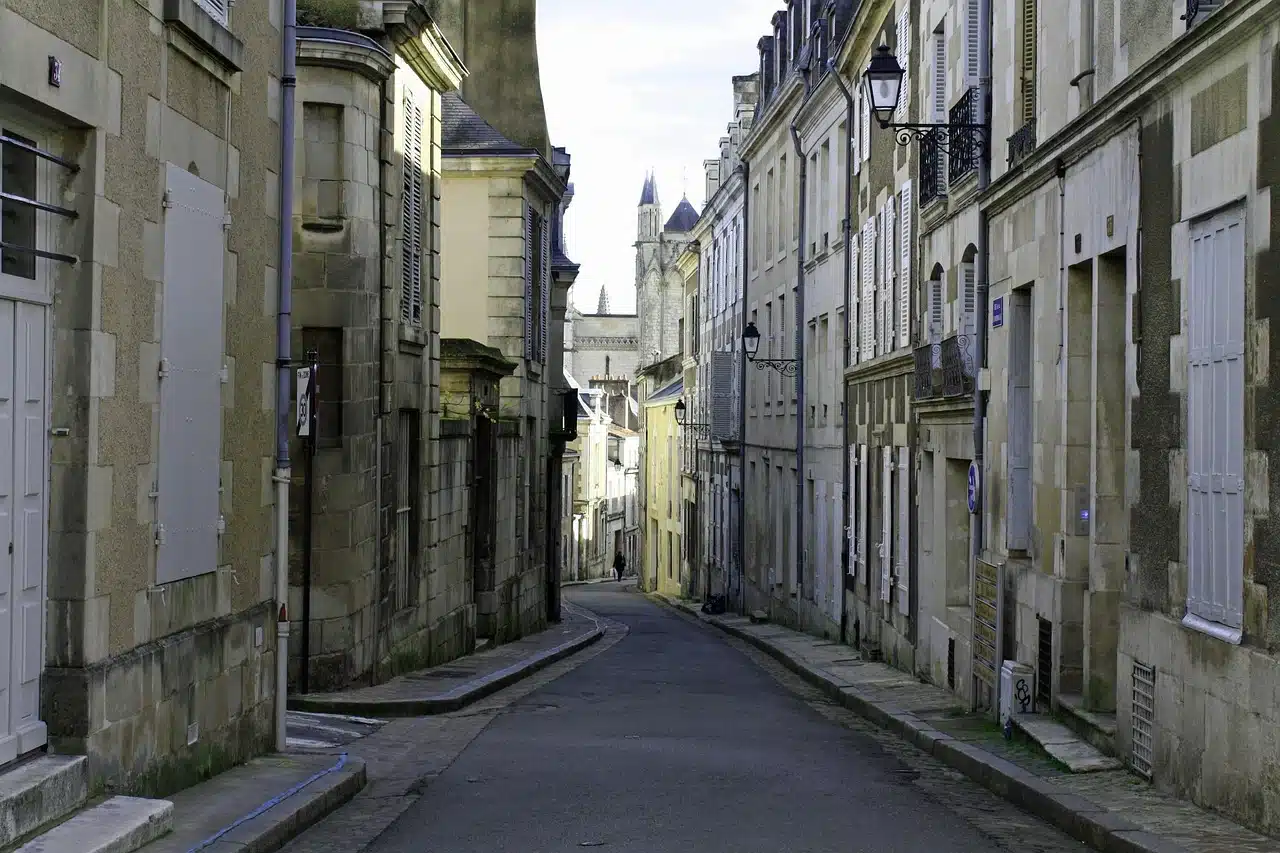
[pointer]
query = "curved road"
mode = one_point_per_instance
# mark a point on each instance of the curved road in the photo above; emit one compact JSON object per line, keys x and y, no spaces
{"x":673,"y":740}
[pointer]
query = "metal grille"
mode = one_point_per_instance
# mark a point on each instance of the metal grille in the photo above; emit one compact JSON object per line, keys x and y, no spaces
{"x":1044,"y":662}
{"x":1144,"y":716}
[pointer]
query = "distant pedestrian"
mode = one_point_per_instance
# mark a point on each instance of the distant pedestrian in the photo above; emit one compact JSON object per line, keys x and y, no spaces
{"x":619,"y":564}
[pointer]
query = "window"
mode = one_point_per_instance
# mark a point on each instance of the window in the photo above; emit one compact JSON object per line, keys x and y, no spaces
{"x":1215,"y":427}
{"x":217,"y":9}
{"x":771,"y":215}
{"x":322,"y":171}
{"x":536,"y":269}
{"x":327,"y":344}
{"x":18,"y":177}
{"x":414,"y":198}
{"x":755,"y":237}
{"x":825,"y":208}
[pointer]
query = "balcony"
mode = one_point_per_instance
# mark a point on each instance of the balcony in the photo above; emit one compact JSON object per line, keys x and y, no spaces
{"x":964,"y":158}
{"x":564,"y":417}
{"x":945,"y":368}
{"x":1022,"y":143}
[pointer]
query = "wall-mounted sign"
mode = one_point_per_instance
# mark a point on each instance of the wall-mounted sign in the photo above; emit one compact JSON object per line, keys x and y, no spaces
{"x":55,"y":72}
{"x":997,"y":313}
{"x":975,"y":484}
{"x":303,"y":398}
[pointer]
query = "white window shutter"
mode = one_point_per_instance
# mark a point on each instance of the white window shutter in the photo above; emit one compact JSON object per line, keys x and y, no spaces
{"x":819,"y":567}
{"x":972,"y":42}
{"x":886,"y":524}
{"x":217,"y":9}
{"x":868,"y":288}
{"x":529,"y":307}
{"x":901,"y":565}
{"x":904,"y":51}
{"x":890,"y":272}
{"x":940,"y":76}
{"x":851,"y":314}
{"x":412,"y":200}
{"x":863,"y":515}
{"x":968,"y":298}
{"x":877,"y":256}
{"x":836,"y":575}
{"x":866,"y":127}
{"x":906,"y":285}
{"x":855,"y":135}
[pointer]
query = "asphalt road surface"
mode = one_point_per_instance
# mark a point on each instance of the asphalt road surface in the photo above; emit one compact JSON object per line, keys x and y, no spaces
{"x":674,"y":740}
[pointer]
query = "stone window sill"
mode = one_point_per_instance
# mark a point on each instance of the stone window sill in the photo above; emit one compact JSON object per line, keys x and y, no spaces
{"x":1214,"y":629}
{"x":209,"y":35}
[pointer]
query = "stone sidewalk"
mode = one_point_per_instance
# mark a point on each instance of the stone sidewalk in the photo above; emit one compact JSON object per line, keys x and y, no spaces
{"x":1112,"y":811}
{"x":454,"y":685}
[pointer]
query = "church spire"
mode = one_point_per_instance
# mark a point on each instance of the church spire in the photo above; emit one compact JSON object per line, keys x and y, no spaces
{"x":603,"y":306}
{"x":649,"y":195}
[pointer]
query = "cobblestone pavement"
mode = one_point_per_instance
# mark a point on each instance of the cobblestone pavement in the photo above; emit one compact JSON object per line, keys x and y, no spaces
{"x":404,"y":756}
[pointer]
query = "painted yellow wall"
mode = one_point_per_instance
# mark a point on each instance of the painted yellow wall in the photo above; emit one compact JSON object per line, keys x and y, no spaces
{"x":662,"y":501}
{"x":464,"y":257}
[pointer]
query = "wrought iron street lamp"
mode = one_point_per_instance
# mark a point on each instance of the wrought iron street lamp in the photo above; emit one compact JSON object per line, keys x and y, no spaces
{"x":883,"y":84}
{"x":751,"y":343}
{"x":699,"y":430}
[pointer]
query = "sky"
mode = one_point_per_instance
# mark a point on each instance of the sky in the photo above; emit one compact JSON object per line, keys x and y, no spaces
{"x":633,"y":85}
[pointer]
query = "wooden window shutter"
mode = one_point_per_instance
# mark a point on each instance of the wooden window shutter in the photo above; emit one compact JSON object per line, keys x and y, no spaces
{"x":972,"y":42}
{"x":905,"y":286}
{"x":1030,"y":39}
{"x":544,"y":291}
{"x":904,"y":48}
{"x":411,"y":216}
{"x":530,"y":307}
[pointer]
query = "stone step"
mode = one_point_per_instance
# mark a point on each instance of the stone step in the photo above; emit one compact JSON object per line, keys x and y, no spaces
{"x":1063,"y":745}
{"x":758,"y":617}
{"x":39,"y":792}
{"x":119,"y":825}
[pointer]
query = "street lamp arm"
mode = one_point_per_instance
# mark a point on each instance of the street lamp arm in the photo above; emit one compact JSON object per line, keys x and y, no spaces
{"x":785,"y":366}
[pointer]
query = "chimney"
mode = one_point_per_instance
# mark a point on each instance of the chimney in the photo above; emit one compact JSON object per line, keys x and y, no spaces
{"x":713,"y":176}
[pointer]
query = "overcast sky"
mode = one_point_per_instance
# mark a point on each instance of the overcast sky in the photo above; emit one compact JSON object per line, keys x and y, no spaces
{"x":632,"y":85}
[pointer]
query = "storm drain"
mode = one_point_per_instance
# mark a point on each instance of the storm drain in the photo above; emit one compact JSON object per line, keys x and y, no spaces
{"x":1144,"y":718}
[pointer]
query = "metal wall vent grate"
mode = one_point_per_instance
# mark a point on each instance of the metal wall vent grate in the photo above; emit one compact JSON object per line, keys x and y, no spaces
{"x":1044,"y":663}
{"x":1144,"y":717}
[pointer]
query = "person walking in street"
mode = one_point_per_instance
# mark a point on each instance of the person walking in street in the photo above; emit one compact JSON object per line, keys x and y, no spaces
{"x":619,"y":564}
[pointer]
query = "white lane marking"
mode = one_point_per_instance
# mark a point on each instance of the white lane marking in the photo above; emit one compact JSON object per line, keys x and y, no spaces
{"x":309,"y":726}
{"x":368,"y":721}
{"x":307,"y":742}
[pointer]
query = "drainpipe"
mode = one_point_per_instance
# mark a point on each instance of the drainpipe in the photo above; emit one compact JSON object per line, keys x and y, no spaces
{"x":852,"y":314}
{"x":982,"y":274}
{"x":284,"y":327}
{"x":800,"y":324}
{"x":387,"y":95}
{"x":742,"y":396}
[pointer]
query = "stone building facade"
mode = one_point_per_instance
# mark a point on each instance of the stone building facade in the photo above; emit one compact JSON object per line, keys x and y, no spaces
{"x":659,"y":288}
{"x":139,"y":586}
{"x":369,"y":596}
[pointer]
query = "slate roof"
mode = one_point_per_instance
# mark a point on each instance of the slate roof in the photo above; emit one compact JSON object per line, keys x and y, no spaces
{"x":649,"y":195}
{"x":684,"y":217}
{"x":462,"y":131}
{"x":671,"y":392}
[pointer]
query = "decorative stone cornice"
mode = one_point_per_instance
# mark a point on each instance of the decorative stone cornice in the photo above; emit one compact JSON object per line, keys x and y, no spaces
{"x":345,"y":50}
{"x":604,"y":343}
{"x":464,"y":354}
{"x":532,"y":165}
{"x":423,"y":46}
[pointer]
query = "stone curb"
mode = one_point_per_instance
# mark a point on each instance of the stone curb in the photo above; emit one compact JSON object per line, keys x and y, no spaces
{"x":276,"y":827}
{"x":446,"y":703}
{"x":1077,"y":816}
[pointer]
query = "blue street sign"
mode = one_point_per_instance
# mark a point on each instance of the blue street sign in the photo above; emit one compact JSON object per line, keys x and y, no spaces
{"x":973,"y":486}
{"x":997,"y":313}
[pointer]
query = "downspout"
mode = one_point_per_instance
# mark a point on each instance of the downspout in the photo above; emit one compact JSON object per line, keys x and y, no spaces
{"x":982,"y":274}
{"x":852,"y":312}
{"x":284,"y":385}
{"x":742,"y":397}
{"x":799,"y":351}
{"x":379,"y":418}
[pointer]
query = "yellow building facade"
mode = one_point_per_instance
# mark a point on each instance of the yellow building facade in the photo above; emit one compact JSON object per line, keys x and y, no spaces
{"x":661,"y":567}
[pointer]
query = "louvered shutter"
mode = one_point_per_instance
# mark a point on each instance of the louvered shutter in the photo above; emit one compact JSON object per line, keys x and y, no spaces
{"x":972,"y":42}
{"x":904,"y":48}
{"x":722,"y":375}
{"x":968,"y":297}
{"x":1030,"y":43}
{"x":935,"y":309}
{"x":901,"y":565}
{"x":1215,"y":412}
{"x":868,"y":289}
{"x":886,"y":524}
{"x":890,"y":272}
{"x":850,"y":519}
{"x":217,"y":9}
{"x":836,"y":573}
{"x":866,"y":127}
{"x":940,"y":76}
{"x":907,"y":283}
{"x":544,"y":292}
{"x":530,"y":308}
{"x":411,"y":216}
{"x":821,"y":565}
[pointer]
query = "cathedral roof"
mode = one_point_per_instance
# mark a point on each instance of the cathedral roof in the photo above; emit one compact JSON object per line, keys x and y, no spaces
{"x":462,"y":131}
{"x":603,"y":306}
{"x":684,"y":217}
{"x":649,"y":195}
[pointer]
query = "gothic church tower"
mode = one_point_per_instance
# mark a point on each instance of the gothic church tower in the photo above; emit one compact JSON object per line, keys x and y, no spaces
{"x":659,"y":290}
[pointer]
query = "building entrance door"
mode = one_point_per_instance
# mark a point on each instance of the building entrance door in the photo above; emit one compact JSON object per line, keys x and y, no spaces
{"x":23,"y":528}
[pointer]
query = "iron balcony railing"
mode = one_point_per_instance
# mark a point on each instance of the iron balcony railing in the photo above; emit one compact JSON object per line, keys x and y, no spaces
{"x":1022,"y":143}
{"x":964,"y":157}
{"x":945,"y":368}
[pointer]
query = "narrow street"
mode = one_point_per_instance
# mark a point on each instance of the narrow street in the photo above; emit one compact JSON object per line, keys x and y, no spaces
{"x":675,"y":740}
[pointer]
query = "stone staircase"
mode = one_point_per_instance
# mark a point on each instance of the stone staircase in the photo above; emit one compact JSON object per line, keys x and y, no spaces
{"x":45,"y":808}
